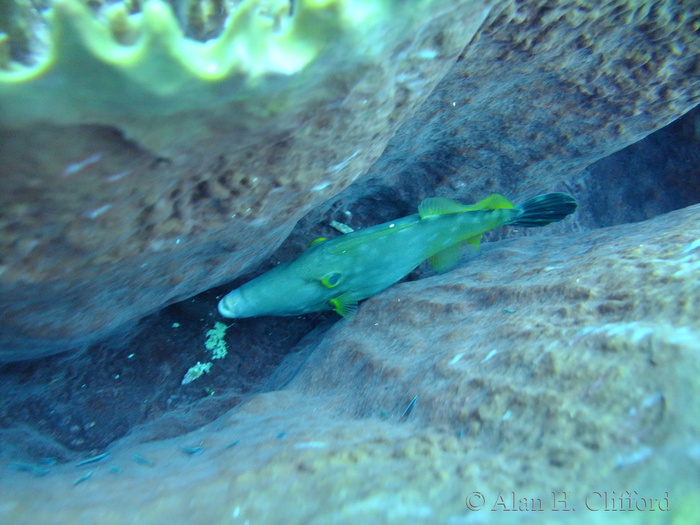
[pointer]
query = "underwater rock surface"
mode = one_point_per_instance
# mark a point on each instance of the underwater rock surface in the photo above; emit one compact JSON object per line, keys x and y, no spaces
{"x":106,"y":219}
{"x":544,"y":90}
{"x":103,"y":223}
{"x":566,"y":363}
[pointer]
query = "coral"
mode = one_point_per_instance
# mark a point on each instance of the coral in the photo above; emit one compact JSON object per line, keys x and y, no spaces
{"x":125,"y":67}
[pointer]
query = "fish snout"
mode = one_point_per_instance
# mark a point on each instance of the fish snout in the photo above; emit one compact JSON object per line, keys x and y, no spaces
{"x":229,"y":305}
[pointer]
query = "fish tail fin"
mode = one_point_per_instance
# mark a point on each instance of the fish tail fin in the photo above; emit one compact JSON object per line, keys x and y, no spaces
{"x":545,"y":209}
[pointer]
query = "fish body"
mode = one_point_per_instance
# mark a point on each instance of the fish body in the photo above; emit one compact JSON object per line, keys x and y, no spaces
{"x":337,"y":273}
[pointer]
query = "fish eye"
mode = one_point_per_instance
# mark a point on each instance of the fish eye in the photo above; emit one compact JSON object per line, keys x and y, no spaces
{"x":331,"y":280}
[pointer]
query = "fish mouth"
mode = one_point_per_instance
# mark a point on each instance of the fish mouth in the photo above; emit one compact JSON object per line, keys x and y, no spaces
{"x":227,"y":306}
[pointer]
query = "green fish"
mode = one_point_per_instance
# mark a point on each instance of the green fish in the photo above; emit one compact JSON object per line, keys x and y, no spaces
{"x":337,"y":273}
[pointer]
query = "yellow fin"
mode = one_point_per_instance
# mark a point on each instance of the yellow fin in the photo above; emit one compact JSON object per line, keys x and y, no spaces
{"x":495,"y":201}
{"x":316,"y":241}
{"x":439,"y":206}
{"x":345,"y":305}
{"x":475,"y":242}
{"x":447,"y":258}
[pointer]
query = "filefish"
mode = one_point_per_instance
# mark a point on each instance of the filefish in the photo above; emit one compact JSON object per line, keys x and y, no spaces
{"x":337,"y":273}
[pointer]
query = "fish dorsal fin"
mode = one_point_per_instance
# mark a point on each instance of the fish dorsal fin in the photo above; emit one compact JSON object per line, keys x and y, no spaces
{"x":495,"y":201}
{"x":439,"y":206}
{"x":345,"y":305}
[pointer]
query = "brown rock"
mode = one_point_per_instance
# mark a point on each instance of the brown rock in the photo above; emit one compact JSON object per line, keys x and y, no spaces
{"x":562,"y":364}
{"x":99,"y":229}
{"x":543,"y":90}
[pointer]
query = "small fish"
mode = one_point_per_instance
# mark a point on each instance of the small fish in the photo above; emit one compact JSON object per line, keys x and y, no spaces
{"x":93,"y":459}
{"x":83,"y":478}
{"x":192,"y":451}
{"x":409,"y":408}
{"x":138,"y":458}
{"x":338,"y":273}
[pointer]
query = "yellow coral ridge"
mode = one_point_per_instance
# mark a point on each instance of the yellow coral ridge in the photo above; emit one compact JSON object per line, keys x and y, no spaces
{"x":141,"y":64}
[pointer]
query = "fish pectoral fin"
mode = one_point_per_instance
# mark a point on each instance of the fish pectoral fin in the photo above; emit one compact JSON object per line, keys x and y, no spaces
{"x":345,"y":305}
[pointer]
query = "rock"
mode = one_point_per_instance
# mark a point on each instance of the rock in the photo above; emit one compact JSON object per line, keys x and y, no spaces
{"x":101,"y":207}
{"x":545,"y":89}
{"x":544,"y":365}
{"x":100,"y":211}
{"x":167,"y":179}
{"x":560,"y":364}
{"x":661,"y":182}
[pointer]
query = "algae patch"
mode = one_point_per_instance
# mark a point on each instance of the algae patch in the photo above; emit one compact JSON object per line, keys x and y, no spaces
{"x":195,"y":372}
{"x":215,"y":341}
{"x":217,"y":344}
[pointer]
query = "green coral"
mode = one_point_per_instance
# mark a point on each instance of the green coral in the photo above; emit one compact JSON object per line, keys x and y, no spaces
{"x":141,"y":63}
{"x":139,"y":67}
